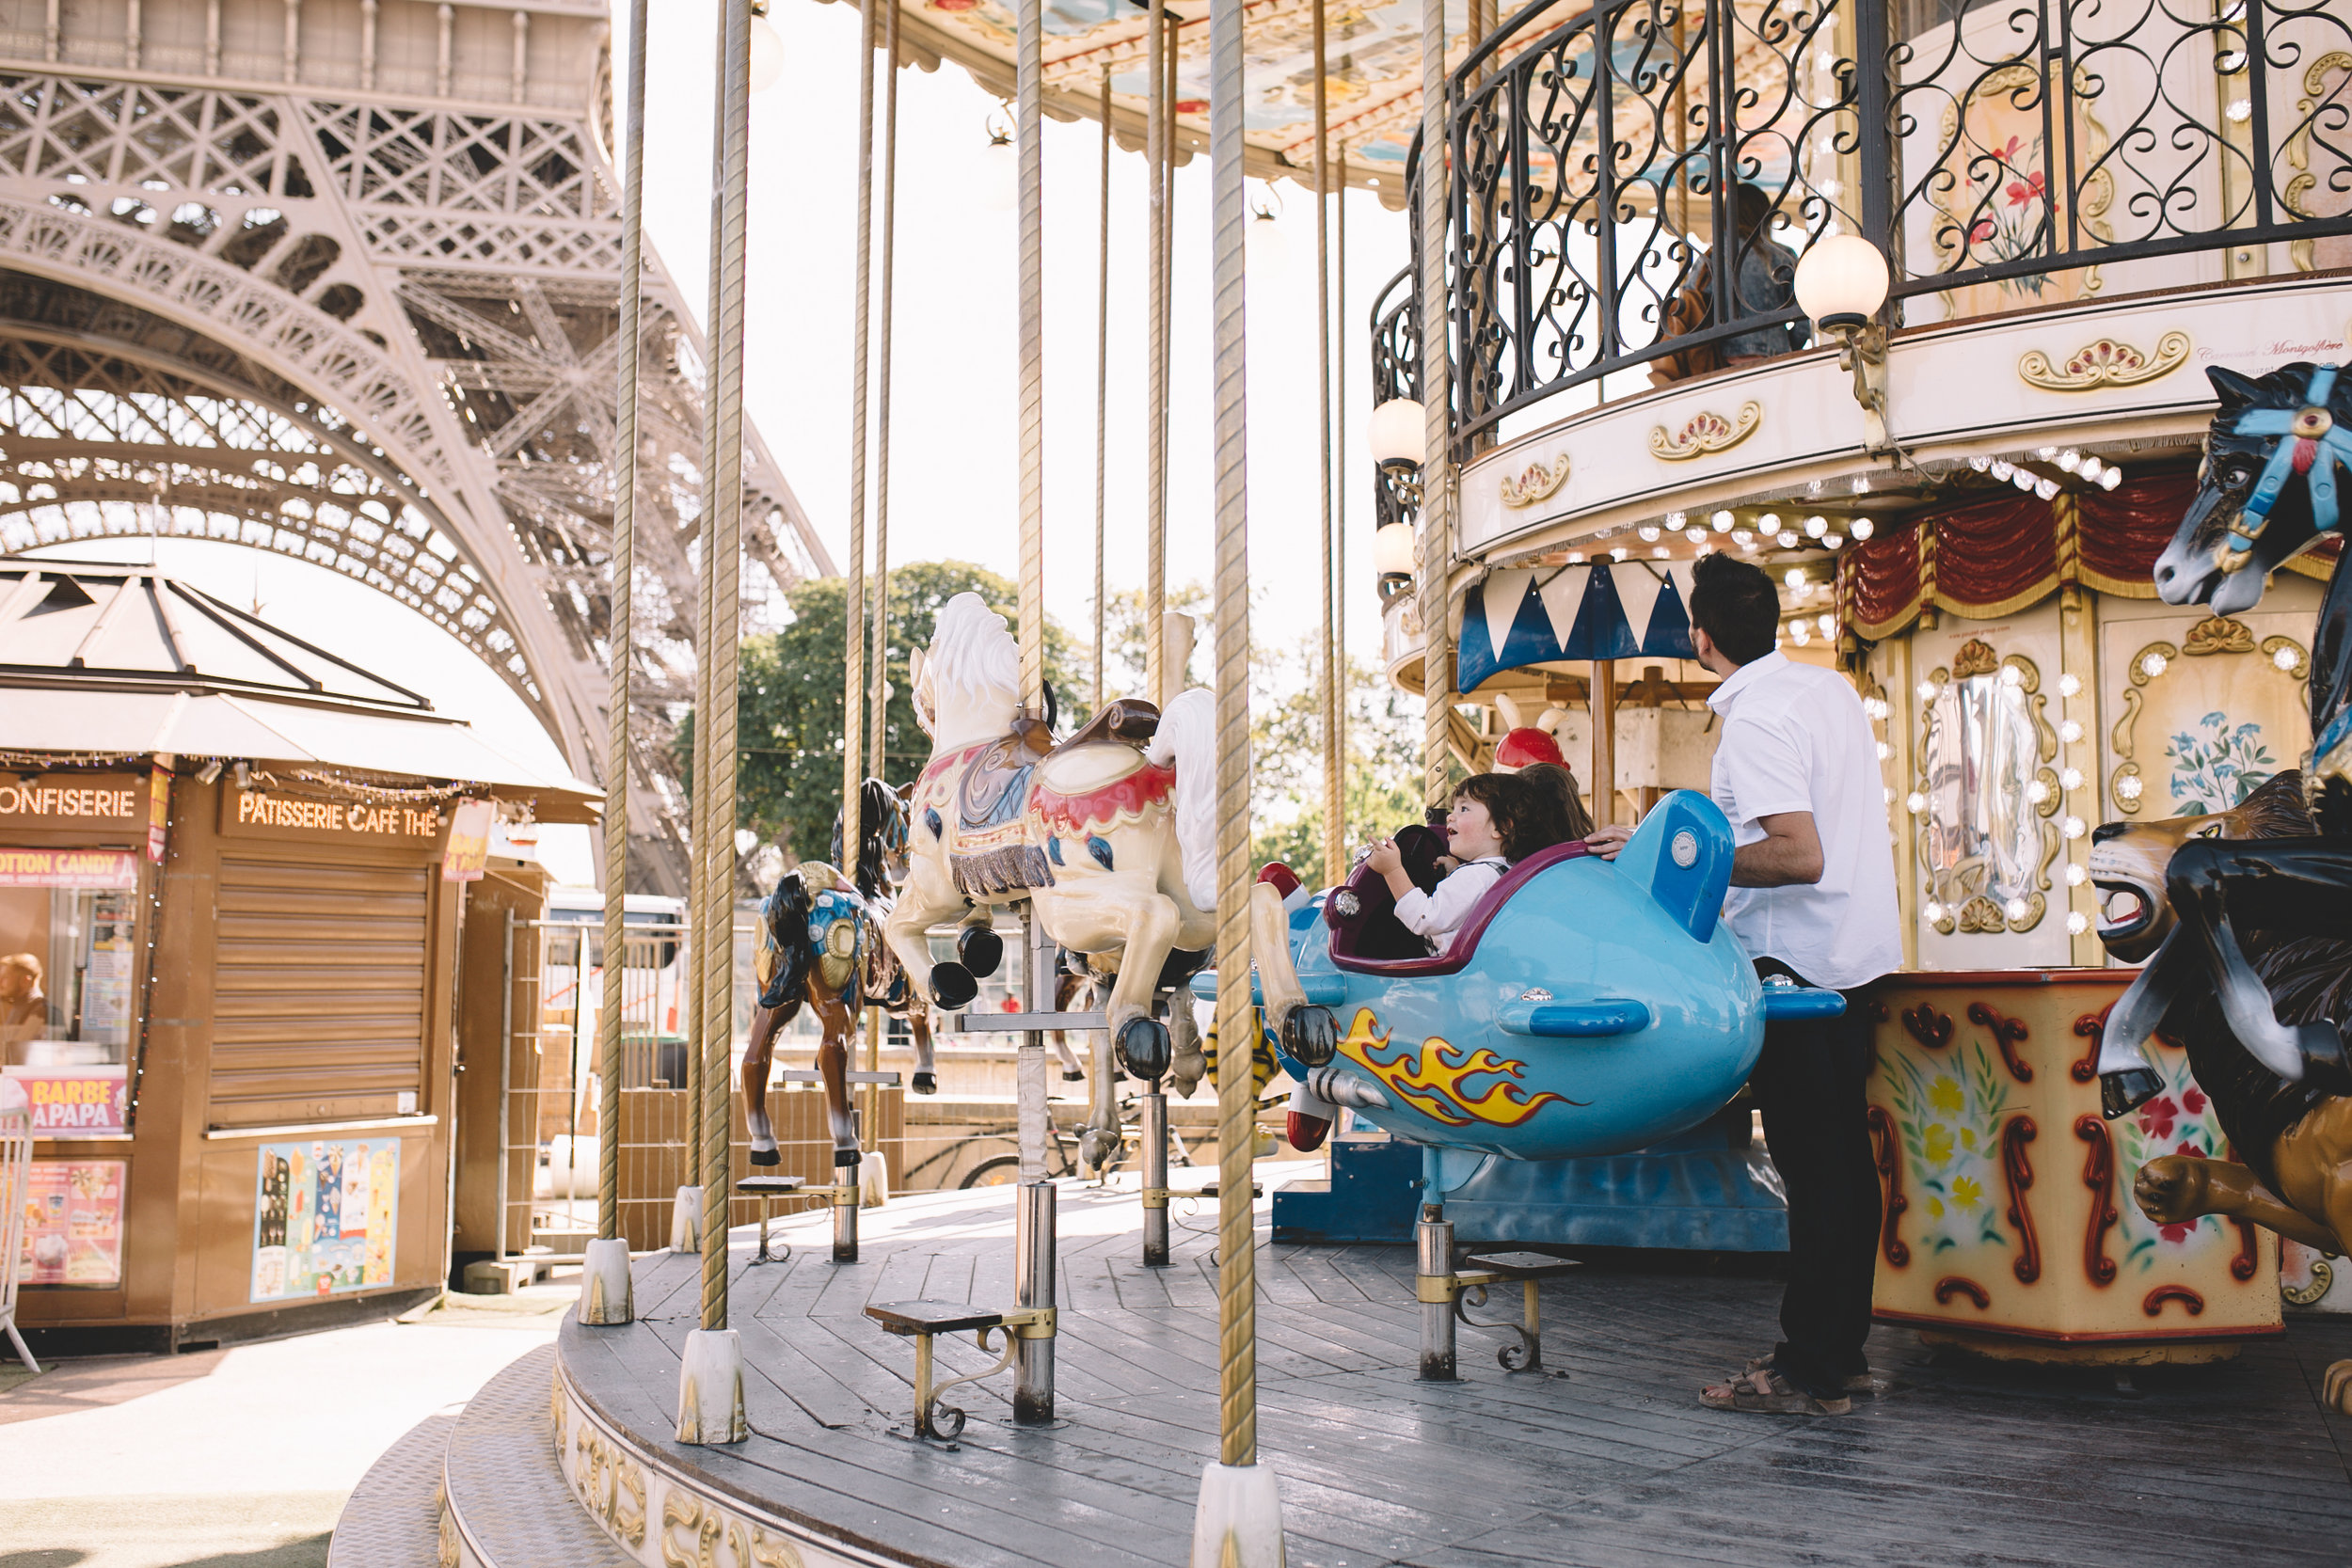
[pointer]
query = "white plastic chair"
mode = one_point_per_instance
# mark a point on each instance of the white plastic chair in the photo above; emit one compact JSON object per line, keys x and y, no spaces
{"x":16,"y":1169}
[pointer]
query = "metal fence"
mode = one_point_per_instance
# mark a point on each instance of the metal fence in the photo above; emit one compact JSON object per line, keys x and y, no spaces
{"x":2005,"y":155}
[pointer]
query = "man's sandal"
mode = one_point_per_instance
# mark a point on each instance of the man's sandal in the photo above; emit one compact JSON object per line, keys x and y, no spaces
{"x":1860,"y":1382}
{"x":1768,"y":1393}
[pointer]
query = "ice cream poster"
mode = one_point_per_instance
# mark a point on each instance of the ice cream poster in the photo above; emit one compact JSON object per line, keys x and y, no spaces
{"x":73,"y":1223}
{"x":325,"y":1216}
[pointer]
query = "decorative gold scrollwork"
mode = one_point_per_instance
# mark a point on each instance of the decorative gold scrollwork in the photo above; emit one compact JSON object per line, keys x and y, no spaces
{"x":2105,"y":362}
{"x":1535,"y":482}
{"x":2304,"y":1295}
{"x":2216,"y":634}
{"x":1975,"y":658}
{"x":1705,"y":432}
{"x":604,"y":1475}
{"x":445,"y":1548}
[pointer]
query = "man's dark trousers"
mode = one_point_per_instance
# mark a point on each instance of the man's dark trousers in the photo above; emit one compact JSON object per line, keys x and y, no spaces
{"x":1809,"y":1086}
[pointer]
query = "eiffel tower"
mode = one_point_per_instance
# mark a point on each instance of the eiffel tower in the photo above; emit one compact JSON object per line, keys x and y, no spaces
{"x":339,"y":280}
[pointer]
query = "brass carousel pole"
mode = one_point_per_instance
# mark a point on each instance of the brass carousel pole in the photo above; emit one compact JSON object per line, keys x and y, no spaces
{"x":1337,"y":445}
{"x":710,"y":1370}
{"x":1033,"y":1265}
{"x":1239,"y":1520}
{"x":1334,"y":788}
{"x":1437,"y":393}
{"x":876,"y":696}
{"x":1101,"y":380}
{"x":845,"y":1247}
{"x":1433,"y":1235}
{"x":605,"y":1296}
{"x":1157,"y":137}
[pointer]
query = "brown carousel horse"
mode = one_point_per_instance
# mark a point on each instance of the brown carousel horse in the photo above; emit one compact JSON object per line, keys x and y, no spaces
{"x":2295,"y":1136}
{"x":820,"y":946}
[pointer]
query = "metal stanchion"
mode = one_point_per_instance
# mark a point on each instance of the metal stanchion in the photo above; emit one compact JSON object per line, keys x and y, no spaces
{"x":1033,"y":1267}
{"x":1033,"y":1221}
{"x":845,"y":1216}
{"x":1432,"y":1268}
{"x":1156,"y":1177}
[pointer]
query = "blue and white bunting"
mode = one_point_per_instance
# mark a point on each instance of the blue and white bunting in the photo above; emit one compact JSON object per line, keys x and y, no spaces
{"x":1553,"y":614}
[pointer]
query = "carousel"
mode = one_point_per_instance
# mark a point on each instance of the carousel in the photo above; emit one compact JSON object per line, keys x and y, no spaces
{"x":1999,"y":352}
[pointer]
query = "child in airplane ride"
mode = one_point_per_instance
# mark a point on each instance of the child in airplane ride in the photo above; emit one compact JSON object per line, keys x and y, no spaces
{"x":1496,"y":819}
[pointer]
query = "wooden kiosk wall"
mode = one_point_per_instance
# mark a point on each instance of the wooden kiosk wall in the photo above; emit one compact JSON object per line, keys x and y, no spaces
{"x":302,"y":992}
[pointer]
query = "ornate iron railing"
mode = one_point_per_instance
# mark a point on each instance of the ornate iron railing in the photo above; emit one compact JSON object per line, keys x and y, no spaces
{"x":2005,"y":155}
{"x":1395,"y":373}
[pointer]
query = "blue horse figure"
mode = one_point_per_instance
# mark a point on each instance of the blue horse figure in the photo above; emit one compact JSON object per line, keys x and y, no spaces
{"x":2268,"y":488}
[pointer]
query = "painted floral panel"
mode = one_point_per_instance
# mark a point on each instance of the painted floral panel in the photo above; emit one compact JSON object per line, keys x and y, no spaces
{"x":2180,"y":1121}
{"x":1950,"y":1108}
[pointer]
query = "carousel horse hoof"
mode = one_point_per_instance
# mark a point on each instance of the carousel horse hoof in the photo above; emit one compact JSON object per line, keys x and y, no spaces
{"x":2122,"y":1093}
{"x":1144,"y":1048}
{"x":927,"y":1083}
{"x":979,"y":950}
{"x":953,"y":986}
{"x":1311,"y":1036}
{"x":766,"y":1156}
{"x":845,"y":1159}
{"x":1306,"y":1133}
{"x":1097,"y":1149}
{"x":1073,"y":1077}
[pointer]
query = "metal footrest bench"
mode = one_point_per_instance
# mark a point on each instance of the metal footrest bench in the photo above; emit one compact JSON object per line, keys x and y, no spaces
{"x":1473,"y":1279}
{"x":843,"y":1196}
{"x":923,"y":1321}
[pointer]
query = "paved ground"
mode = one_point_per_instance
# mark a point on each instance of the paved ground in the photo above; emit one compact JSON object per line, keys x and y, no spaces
{"x":236,"y":1458}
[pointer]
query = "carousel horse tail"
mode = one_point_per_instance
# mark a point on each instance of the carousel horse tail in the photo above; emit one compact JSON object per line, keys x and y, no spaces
{"x":1186,"y":739}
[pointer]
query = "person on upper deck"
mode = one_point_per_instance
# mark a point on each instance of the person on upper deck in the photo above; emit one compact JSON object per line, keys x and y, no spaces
{"x":1763,"y":283}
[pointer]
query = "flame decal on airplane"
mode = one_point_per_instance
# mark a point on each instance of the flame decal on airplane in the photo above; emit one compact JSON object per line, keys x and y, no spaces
{"x":1432,"y":1082}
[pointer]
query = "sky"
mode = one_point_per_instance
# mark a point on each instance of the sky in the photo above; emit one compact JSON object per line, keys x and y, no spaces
{"x":955,"y":469}
{"x":955,"y":482}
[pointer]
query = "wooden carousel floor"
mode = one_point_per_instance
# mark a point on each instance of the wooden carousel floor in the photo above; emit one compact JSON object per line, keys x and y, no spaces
{"x":1614,"y":1464}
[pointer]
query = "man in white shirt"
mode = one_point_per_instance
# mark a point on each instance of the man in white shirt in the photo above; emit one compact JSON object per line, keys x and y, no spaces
{"x":1812,"y":898}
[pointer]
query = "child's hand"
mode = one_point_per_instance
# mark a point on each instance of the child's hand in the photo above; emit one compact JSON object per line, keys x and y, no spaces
{"x":1385,"y":858}
{"x":1447,"y":865}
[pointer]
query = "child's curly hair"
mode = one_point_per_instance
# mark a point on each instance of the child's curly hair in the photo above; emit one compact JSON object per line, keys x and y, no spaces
{"x":1517,"y":816}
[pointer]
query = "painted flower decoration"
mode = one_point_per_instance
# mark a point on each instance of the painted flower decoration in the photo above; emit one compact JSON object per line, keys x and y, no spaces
{"x":1981,"y":230}
{"x":2193,"y":1101}
{"x":2029,"y":189}
{"x":2191,"y":1150}
{"x":1943,"y":1094}
{"x":2157,"y":1117}
{"x":1966,"y":1194}
{"x":1937,"y":1143}
{"x":2176,"y":1234}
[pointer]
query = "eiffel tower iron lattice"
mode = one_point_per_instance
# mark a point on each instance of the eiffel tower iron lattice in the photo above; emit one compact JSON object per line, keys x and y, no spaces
{"x":337,"y":280}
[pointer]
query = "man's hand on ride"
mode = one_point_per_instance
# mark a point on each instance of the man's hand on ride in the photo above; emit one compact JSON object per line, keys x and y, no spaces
{"x":1606,"y":842}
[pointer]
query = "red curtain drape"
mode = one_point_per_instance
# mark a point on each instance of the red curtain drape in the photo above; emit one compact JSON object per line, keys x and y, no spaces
{"x":1996,"y":555}
{"x":1879,"y":580}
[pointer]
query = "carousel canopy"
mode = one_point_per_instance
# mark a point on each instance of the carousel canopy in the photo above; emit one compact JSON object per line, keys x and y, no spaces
{"x":98,"y":658}
{"x":1631,"y":609}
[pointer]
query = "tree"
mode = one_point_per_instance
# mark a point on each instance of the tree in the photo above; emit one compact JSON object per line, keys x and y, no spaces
{"x":1380,"y":778}
{"x":789,"y":705}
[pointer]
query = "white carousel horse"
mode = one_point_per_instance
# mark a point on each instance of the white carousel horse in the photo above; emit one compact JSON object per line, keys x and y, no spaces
{"x":1110,"y":838}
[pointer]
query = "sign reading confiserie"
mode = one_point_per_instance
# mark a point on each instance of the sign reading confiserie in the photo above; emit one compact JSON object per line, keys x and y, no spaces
{"x":72,"y":800}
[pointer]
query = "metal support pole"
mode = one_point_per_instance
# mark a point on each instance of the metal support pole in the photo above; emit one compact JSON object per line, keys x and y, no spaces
{"x":1334,"y":788}
{"x":1028,"y":57}
{"x":620,"y":646}
{"x":1600,"y":708}
{"x":877,"y":704}
{"x":1102,"y":379}
{"x":1033,"y":1266}
{"x":1432,"y":1269}
{"x":1156,"y":1177}
{"x":1156,"y":139}
{"x":722,"y":517}
{"x":853,"y":578}
{"x":845,"y":1216}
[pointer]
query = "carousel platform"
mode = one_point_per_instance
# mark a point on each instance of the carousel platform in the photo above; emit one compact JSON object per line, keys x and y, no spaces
{"x":1605,"y":1460}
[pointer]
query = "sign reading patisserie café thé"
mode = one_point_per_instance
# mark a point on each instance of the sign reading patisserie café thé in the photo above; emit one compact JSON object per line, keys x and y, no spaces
{"x":273,"y":813}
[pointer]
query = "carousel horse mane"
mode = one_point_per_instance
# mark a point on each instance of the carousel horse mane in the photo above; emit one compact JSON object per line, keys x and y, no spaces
{"x":972,"y":652}
{"x":788,"y":947}
{"x":880,"y":820}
